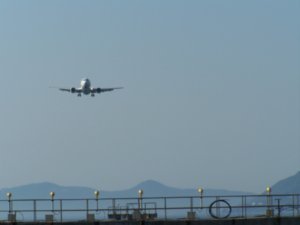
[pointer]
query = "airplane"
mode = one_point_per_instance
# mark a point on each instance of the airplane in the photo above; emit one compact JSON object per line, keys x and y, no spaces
{"x":87,"y":89}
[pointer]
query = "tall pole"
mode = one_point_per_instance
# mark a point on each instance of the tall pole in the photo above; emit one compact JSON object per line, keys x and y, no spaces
{"x":269,"y":202}
{"x":52,"y":195}
{"x":97,"y":193}
{"x":200,"y":191}
{"x":140,"y":192}
{"x":9,"y":196}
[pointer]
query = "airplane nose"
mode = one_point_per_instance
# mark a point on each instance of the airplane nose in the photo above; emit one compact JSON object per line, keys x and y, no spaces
{"x":85,"y":83}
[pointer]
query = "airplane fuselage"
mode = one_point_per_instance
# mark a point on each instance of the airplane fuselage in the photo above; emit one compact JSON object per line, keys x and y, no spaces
{"x":85,"y":86}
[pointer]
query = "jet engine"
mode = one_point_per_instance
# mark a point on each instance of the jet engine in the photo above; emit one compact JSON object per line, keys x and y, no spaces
{"x":73,"y":90}
{"x":98,"y":90}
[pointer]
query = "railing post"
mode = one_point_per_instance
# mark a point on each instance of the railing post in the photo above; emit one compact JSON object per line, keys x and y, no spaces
{"x":114,"y":206}
{"x":218,"y":207}
{"x":245,"y":204}
{"x":298,"y":205}
{"x":278,"y":207}
{"x":294,"y":205}
{"x":87,"y":207}
{"x":165,"y":206}
{"x":244,"y":207}
{"x":191,"y":204}
{"x":61,"y":210}
{"x":34,"y":210}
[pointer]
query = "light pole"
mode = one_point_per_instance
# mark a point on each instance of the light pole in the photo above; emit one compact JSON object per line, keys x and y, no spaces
{"x":97,"y":193}
{"x":52,"y":195}
{"x":9,"y":196}
{"x":200,"y":191}
{"x":269,"y":201}
{"x":11,"y":215}
{"x":140,"y":192}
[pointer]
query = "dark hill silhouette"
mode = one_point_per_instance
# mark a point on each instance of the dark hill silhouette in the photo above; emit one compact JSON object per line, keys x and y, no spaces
{"x":290,"y":185}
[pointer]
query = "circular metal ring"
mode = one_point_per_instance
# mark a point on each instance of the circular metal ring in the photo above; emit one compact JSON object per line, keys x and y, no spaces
{"x":213,"y":205}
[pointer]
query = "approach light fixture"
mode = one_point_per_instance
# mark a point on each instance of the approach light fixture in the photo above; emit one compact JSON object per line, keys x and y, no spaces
{"x":9,"y":195}
{"x":200,"y":190}
{"x":140,"y":192}
{"x":268,"y":190}
{"x":97,"y":193}
{"x":52,"y":195}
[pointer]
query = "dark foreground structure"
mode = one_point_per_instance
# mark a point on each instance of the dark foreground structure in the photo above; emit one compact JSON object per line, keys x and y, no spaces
{"x":253,"y":221}
{"x":180,"y":210}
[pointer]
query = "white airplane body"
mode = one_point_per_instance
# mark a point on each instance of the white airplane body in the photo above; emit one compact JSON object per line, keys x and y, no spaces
{"x":87,"y":89}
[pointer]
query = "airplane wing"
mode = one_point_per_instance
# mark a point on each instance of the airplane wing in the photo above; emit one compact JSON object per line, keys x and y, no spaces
{"x":65,"y":89}
{"x":110,"y":89}
{"x":99,"y":90}
{"x":72,"y":90}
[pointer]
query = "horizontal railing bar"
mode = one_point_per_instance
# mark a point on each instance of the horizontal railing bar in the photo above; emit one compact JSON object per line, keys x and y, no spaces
{"x":160,"y":197}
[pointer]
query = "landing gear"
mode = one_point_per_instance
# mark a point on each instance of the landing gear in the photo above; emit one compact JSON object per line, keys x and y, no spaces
{"x":93,"y":95}
{"x":79,"y":95}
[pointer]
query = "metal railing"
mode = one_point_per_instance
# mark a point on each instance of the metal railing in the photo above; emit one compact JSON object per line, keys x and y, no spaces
{"x":150,"y":208}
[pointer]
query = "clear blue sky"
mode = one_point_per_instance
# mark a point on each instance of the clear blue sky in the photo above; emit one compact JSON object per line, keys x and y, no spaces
{"x":211,"y":98}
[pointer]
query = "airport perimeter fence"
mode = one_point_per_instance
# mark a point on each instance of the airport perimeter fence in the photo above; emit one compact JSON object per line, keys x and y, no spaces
{"x":149,"y":208}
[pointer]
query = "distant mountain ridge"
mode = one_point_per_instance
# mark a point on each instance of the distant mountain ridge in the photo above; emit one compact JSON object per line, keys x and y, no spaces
{"x":42,"y":190}
{"x":290,"y":185}
{"x":151,"y":188}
